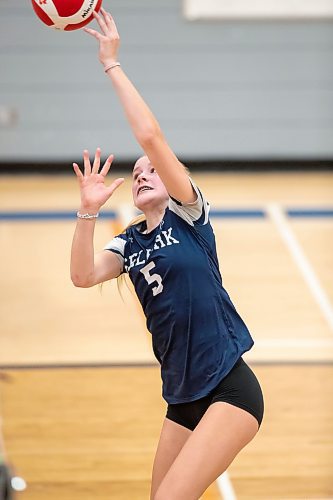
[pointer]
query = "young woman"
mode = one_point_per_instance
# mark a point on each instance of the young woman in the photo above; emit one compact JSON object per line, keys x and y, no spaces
{"x":215,"y":404}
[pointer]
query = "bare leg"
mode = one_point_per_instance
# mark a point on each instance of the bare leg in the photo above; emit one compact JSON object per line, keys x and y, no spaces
{"x":220,"y":435}
{"x":172,"y":439}
{"x":5,"y":475}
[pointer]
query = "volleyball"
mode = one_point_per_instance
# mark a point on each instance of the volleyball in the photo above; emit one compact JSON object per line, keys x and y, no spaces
{"x":66,"y":15}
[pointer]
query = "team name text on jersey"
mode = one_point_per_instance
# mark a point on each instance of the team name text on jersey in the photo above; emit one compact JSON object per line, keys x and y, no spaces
{"x":163,"y":239}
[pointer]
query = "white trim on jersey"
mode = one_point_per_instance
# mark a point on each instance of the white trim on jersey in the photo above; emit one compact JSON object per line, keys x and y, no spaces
{"x":191,"y":212}
{"x":117,"y":245}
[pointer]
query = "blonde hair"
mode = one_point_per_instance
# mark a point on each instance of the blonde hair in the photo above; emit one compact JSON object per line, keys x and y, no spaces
{"x":121,"y":280}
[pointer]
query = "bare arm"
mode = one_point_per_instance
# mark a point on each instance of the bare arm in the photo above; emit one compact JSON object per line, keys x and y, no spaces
{"x":142,"y":121}
{"x":87,"y":268}
{"x":150,"y":137}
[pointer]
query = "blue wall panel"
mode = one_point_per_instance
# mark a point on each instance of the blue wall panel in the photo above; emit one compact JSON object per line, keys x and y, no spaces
{"x":235,"y":90}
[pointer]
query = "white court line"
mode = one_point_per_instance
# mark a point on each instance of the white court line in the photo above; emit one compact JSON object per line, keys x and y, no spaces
{"x":280,"y":220}
{"x":225,"y":487}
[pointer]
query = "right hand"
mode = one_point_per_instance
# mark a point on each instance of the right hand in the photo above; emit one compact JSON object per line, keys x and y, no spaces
{"x":109,"y":39}
{"x":94,"y":192}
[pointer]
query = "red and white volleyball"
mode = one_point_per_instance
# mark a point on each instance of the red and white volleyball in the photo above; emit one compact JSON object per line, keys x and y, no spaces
{"x":66,"y":14}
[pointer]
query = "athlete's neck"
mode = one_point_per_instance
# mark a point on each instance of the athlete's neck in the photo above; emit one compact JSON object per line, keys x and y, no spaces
{"x":154,"y":217}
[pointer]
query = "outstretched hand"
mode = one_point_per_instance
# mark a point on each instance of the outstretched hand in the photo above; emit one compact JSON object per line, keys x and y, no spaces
{"x":94,"y":192}
{"x":109,"y":39}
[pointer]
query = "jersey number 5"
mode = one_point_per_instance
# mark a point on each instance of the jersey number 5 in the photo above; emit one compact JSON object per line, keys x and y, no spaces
{"x":152,"y":278}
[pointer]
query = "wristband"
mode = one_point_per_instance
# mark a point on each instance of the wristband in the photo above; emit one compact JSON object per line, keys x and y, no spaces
{"x":113,"y":65}
{"x":87,"y":216}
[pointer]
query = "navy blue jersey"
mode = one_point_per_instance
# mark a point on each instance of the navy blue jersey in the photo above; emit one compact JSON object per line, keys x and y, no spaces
{"x":197,"y":334}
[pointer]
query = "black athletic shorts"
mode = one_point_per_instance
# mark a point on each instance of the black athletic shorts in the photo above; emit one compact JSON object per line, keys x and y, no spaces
{"x":239,"y":388}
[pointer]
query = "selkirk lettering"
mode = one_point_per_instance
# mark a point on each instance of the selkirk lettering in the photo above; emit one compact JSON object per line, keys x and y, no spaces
{"x":162,"y":240}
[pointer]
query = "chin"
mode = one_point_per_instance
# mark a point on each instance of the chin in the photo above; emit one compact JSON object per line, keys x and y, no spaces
{"x":146,"y":202}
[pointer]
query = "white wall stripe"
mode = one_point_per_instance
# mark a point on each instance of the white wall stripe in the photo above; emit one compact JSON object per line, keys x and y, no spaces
{"x":280,"y":220}
{"x":225,"y":487}
{"x":294,"y":342}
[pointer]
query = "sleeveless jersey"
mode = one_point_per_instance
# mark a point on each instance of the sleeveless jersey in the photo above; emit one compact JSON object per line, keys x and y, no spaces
{"x":197,"y":334}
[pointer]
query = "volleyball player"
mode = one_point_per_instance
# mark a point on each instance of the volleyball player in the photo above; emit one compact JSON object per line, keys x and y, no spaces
{"x":215,"y":404}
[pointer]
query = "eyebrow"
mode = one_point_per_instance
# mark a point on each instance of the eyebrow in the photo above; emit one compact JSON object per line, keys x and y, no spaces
{"x":134,"y":171}
{"x":136,"y":168}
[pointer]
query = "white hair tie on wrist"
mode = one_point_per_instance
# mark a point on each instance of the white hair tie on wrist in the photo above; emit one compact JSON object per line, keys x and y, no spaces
{"x":113,"y":65}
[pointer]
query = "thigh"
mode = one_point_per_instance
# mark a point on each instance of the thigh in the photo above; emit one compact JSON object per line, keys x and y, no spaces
{"x":172,"y":439}
{"x":220,"y":435}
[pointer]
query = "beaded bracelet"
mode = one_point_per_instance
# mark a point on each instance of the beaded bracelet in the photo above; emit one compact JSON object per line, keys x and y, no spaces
{"x":87,"y":216}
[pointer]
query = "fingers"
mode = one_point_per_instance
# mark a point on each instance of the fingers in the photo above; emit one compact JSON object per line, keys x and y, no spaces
{"x":107,"y":165}
{"x":112,"y":22}
{"x":93,"y":33}
{"x":109,"y":21}
{"x":86,"y":163}
{"x":107,"y":18}
{"x":78,"y":171}
{"x":118,"y":182}
{"x":97,"y":161}
{"x":106,"y":23}
{"x":88,"y":170}
{"x":102,"y":21}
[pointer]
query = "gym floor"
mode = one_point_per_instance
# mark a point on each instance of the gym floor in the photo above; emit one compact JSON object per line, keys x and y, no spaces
{"x":80,"y":388}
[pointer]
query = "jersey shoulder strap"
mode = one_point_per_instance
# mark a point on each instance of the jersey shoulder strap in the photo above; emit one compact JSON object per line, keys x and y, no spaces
{"x":117,"y":246}
{"x":195,"y":213}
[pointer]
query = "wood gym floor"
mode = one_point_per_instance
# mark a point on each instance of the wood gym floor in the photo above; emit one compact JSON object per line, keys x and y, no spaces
{"x":80,"y":389}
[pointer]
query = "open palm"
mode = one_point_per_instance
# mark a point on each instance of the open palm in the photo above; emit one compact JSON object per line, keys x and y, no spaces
{"x":94,"y":192}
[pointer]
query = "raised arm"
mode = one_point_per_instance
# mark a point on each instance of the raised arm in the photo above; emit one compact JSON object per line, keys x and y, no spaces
{"x":87,"y":268}
{"x":142,"y":121}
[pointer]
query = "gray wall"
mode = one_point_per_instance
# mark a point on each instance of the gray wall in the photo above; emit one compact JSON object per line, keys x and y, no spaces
{"x":236,"y":90}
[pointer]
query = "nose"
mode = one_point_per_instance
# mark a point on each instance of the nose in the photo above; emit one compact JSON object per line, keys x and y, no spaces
{"x":142,"y":177}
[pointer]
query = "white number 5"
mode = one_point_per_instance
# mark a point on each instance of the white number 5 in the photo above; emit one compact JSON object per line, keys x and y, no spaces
{"x":151,"y":278}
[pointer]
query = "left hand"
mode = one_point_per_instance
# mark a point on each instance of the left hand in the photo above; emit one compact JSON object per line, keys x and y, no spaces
{"x":109,"y":40}
{"x":94,"y":192}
